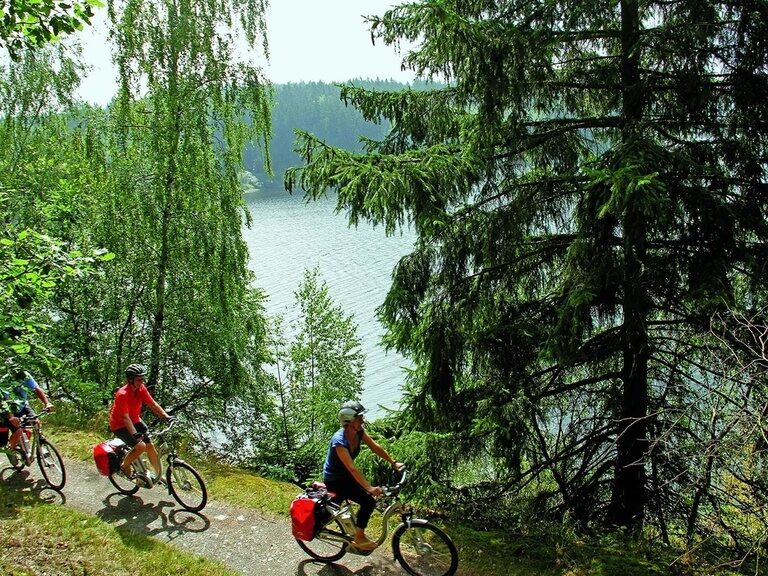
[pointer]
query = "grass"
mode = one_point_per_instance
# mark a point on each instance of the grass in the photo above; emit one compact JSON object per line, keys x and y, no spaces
{"x":80,"y":544}
{"x":38,"y":539}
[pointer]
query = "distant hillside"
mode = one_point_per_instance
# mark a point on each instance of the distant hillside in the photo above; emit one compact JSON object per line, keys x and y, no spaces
{"x":314,"y":107}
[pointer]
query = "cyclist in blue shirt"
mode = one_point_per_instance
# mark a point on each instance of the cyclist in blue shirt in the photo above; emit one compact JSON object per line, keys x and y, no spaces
{"x":16,"y":404}
{"x":342,"y":476}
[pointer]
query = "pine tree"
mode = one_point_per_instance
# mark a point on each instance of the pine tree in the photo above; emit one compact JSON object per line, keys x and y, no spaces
{"x":588,"y":190}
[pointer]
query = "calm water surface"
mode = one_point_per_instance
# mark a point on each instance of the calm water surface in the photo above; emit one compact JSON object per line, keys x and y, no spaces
{"x":289,"y":235}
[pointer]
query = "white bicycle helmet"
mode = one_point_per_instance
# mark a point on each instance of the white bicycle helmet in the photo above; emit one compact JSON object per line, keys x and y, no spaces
{"x":349,"y":411}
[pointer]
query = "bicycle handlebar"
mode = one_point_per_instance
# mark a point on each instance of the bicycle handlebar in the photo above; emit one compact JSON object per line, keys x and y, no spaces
{"x":26,"y":419}
{"x":395,"y":489}
{"x":169,"y":424}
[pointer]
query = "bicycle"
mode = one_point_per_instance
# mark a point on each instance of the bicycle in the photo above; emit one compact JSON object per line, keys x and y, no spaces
{"x":184,"y":483}
{"x":420,"y":547}
{"x":34,"y":445}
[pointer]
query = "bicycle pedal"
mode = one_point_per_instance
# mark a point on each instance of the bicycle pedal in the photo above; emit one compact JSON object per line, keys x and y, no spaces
{"x":143,"y":481}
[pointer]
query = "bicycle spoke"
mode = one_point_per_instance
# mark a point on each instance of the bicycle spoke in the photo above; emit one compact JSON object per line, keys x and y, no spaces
{"x":123,"y":484}
{"x":424,"y":550}
{"x":187,"y":486}
{"x":51,"y":464}
{"x":328,"y":545}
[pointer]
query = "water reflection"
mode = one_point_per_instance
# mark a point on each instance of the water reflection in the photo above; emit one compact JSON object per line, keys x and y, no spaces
{"x":289,"y":235}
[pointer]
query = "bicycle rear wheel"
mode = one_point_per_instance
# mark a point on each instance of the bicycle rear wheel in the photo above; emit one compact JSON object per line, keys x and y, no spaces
{"x":124,"y":485}
{"x":328,"y":545}
{"x":422,"y":549}
{"x":186,"y":486}
{"x":51,"y":465}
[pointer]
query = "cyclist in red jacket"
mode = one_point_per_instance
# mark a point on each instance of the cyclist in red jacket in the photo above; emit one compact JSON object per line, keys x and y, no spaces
{"x":125,"y":418}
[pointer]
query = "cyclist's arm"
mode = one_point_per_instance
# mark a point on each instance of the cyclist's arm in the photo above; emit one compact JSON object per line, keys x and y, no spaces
{"x":152,"y":404}
{"x":379,"y":450}
{"x":157,"y":409}
{"x":40,"y":393}
{"x":346,"y":459}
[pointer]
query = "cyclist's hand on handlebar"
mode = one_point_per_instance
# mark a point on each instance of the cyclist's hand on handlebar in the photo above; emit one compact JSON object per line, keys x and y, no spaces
{"x":398,"y":466}
{"x":375,"y":491}
{"x":48,"y":407}
{"x":14,"y":420}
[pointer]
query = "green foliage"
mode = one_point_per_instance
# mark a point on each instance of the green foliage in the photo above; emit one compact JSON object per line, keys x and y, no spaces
{"x":33,"y":23}
{"x":167,"y":200}
{"x":315,"y":107}
{"x":326,"y":364}
{"x":32,"y":267}
{"x":320,"y":366}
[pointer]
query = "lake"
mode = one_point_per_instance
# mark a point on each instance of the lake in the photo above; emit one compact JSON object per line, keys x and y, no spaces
{"x":289,"y":235}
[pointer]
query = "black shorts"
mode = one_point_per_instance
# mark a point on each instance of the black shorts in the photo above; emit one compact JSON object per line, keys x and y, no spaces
{"x":128,"y":438}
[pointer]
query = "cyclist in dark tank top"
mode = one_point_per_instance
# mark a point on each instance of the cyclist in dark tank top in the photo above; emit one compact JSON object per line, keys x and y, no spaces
{"x":342,"y":476}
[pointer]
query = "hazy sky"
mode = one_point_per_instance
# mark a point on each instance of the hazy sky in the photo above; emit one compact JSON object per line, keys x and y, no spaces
{"x":324,"y":40}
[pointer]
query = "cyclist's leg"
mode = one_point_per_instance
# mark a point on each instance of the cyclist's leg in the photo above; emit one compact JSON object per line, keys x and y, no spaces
{"x":350,"y":490}
{"x":136,"y":448}
{"x":154,"y":459}
{"x":13,"y":441}
{"x":5,"y":431}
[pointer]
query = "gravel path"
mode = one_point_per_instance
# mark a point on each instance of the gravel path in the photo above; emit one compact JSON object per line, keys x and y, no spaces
{"x":247,"y":541}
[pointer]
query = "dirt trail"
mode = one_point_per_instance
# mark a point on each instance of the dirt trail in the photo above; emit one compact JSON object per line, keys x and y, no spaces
{"x":247,"y":541}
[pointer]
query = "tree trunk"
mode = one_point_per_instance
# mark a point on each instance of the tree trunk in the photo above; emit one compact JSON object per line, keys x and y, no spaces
{"x":627,"y":508}
{"x":168,"y":192}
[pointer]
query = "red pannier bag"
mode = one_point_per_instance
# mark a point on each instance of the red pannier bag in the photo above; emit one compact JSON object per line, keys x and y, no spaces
{"x":307,"y":514}
{"x":106,"y":457}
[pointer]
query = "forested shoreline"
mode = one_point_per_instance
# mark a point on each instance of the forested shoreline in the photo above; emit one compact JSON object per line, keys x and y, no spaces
{"x":316,"y":107}
{"x":585,"y":305}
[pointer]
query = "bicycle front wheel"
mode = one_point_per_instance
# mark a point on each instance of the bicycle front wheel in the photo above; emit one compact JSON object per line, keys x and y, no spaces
{"x":51,"y":465}
{"x":186,"y":486}
{"x":16,"y":459}
{"x":422,"y":549}
{"x":329,"y":544}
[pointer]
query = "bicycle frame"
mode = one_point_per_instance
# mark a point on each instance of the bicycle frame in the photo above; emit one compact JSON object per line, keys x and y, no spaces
{"x":183,"y":482}
{"x":30,"y":437}
{"x":164,"y":451}
{"x":348,"y":521}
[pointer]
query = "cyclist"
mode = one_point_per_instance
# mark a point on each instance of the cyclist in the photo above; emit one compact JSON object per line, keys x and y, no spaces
{"x":16,"y":405}
{"x":125,"y":418}
{"x":342,"y":476}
